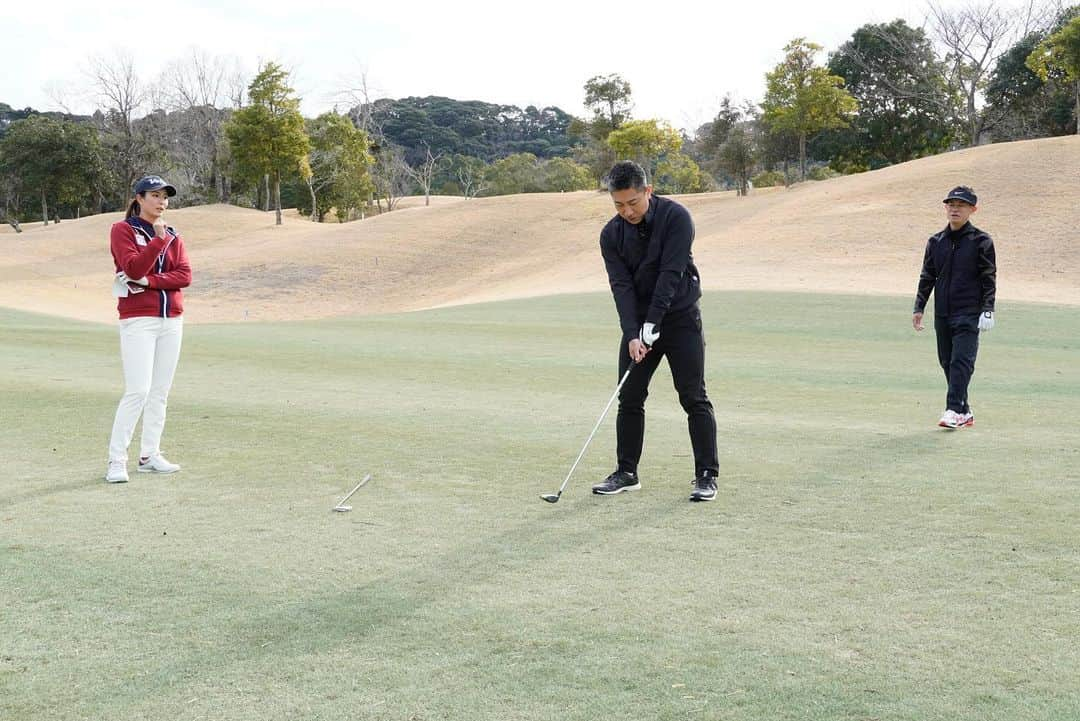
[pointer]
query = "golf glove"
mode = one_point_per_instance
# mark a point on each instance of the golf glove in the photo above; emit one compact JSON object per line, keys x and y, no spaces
{"x":649,"y":334}
{"x":986,"y":321}
{"x":123,"y":286}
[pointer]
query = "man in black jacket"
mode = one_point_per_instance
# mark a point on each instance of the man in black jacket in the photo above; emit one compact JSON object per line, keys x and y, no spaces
{"x":960,"y":268}
{"x":646,"y":250}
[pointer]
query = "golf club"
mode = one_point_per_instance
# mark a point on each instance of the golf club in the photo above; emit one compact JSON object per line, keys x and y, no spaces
{"x":554,"y":497}
{"x":341,"y":507}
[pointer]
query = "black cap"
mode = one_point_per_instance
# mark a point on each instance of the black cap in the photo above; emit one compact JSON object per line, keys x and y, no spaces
{"x":154,"y":182}
{"x":964,"y":193}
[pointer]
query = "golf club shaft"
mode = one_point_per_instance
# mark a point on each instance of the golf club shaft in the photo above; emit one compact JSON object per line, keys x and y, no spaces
{"x":596,"y":427}
{"x":349,"y":494}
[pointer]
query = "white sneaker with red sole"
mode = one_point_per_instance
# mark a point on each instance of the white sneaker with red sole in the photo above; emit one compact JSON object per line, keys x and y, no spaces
{"x":951,"y":419}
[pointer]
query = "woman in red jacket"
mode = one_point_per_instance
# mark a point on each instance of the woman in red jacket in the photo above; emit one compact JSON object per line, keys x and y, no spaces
{"x":151,"y":268}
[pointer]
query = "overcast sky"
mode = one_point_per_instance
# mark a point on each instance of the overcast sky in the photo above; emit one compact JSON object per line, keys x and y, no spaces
{"x":680,"y":57}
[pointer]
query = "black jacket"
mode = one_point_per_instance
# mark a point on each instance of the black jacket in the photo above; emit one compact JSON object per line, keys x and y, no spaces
{"x":961,"y":269}
{"x":651,"y":280}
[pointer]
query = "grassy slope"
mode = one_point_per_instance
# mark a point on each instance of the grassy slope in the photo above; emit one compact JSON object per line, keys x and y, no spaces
{"x":861,"y":233}
{"x":859,"y":563}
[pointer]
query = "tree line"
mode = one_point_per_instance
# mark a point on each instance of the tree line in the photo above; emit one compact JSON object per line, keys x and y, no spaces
{"x":975,"y":73}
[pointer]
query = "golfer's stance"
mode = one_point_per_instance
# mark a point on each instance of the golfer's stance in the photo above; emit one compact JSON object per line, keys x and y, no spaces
{"x":960,"y":268}
{"x":151,"y":267}
{"x":646,"y":250}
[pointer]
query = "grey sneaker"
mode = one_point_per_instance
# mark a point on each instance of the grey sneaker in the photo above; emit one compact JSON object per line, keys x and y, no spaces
{"x":117,"y":472}
{"x":157,"y":464}
{"x":704,"y":487}
{"x":617,"y":482}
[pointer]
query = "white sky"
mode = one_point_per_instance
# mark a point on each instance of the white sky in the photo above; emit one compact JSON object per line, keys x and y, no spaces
{"x":680,"y":57}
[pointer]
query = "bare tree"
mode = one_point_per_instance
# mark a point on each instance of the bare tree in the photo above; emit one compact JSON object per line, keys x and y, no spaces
{"x":201,"y":89}
{"x":424,"y":172}
{"x":116,"y":85}
{"x":472,"y":177}
{"x":390,"y":175}
{"x":975,"y":35}
{"x":358,"y":98}
{"x":9,"y":192}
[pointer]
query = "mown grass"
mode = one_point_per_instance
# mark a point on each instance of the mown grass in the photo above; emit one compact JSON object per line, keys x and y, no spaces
{"x":859,"y":564}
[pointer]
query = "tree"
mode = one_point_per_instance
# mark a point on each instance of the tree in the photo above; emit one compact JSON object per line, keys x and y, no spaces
{"x":9,"y":193}
{"x":514,"y":174}
{"x":678,"y":173}
{"x":340,"y":164}
{"x":267,"y":137}
{"x":450,"y":127}
{"x":608,"y":97}
{"x":470,"y":173}
{"x":563,"y":175}
{"x":390,"y":174}
{"x":737,"y":155}
{"x":975,"y":35}
{"x":423,"y":174}
{"x":803,"y":98}
{"x":57,"y":161}
{"x":1060,"y":54}
{"x":710,"y":136}
{"x":119,"y":89}
{"x":726,"y":145}
{"x":906,"y":110}
{"x":644,"y":141}
{"x":199,"y":92}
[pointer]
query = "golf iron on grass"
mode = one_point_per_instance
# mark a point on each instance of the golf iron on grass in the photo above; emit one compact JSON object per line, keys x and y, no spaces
{"x":341,"y":507}
{"x":554,"y":497}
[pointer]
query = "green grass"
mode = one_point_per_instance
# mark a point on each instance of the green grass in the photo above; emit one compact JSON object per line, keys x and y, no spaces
{"x":859,"y":564}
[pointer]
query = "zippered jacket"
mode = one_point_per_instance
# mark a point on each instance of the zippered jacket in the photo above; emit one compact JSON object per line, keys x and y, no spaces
{"x":960,"y":268}
{"x":162,"y":261}
{"x":650,"y":280}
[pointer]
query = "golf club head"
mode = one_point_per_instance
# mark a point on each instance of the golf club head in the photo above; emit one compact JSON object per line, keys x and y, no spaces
{"x":551,"y":497}
{"x":342,"y":509}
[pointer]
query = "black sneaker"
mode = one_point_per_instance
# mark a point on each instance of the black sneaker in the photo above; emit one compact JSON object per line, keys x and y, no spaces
{"x":704,"y":487}
{"x":617,"y":482}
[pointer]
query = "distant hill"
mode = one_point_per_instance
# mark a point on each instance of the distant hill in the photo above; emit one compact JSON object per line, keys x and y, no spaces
{"x":855,"y":234}
{"x":9,"y":115}
{"x":471,"y":127}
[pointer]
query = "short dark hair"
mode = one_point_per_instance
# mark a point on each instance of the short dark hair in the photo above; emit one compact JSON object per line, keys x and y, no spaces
{"x":624,"y":175}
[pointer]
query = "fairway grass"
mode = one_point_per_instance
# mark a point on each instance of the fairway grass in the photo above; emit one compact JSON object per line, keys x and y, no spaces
{"x":859,"y":563}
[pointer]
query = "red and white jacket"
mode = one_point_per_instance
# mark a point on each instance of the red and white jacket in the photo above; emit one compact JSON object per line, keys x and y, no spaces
{"x":162,"y":261}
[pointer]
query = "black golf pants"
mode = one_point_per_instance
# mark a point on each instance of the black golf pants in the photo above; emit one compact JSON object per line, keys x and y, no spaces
{"x":957,"y":346}
{"x":683,"y":344}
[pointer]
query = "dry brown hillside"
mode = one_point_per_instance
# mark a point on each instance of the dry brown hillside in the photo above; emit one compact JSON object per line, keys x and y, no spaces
{"x":860,"y":234}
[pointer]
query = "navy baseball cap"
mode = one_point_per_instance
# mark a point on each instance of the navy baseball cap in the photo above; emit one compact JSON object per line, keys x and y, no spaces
{"x":154,"y":182}
{"x":964,"y":193}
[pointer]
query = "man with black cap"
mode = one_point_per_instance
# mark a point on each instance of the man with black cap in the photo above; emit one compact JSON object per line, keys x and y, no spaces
{"x":960,"y":268}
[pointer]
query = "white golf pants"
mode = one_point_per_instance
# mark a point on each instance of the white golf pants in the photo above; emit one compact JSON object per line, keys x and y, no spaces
{"x":150,"y":349}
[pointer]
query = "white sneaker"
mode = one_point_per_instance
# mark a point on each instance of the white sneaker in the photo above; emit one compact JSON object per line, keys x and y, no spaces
{"x":117,"y":472}
{"x":967,"y":419}
{"x":157,"y":464}
{"x":951,"y":419}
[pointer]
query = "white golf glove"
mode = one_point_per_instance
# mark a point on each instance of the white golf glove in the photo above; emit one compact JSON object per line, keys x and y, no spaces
{"x":649,"y":334}
{"x":986,"y":321}
{"x":124,"y":286}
